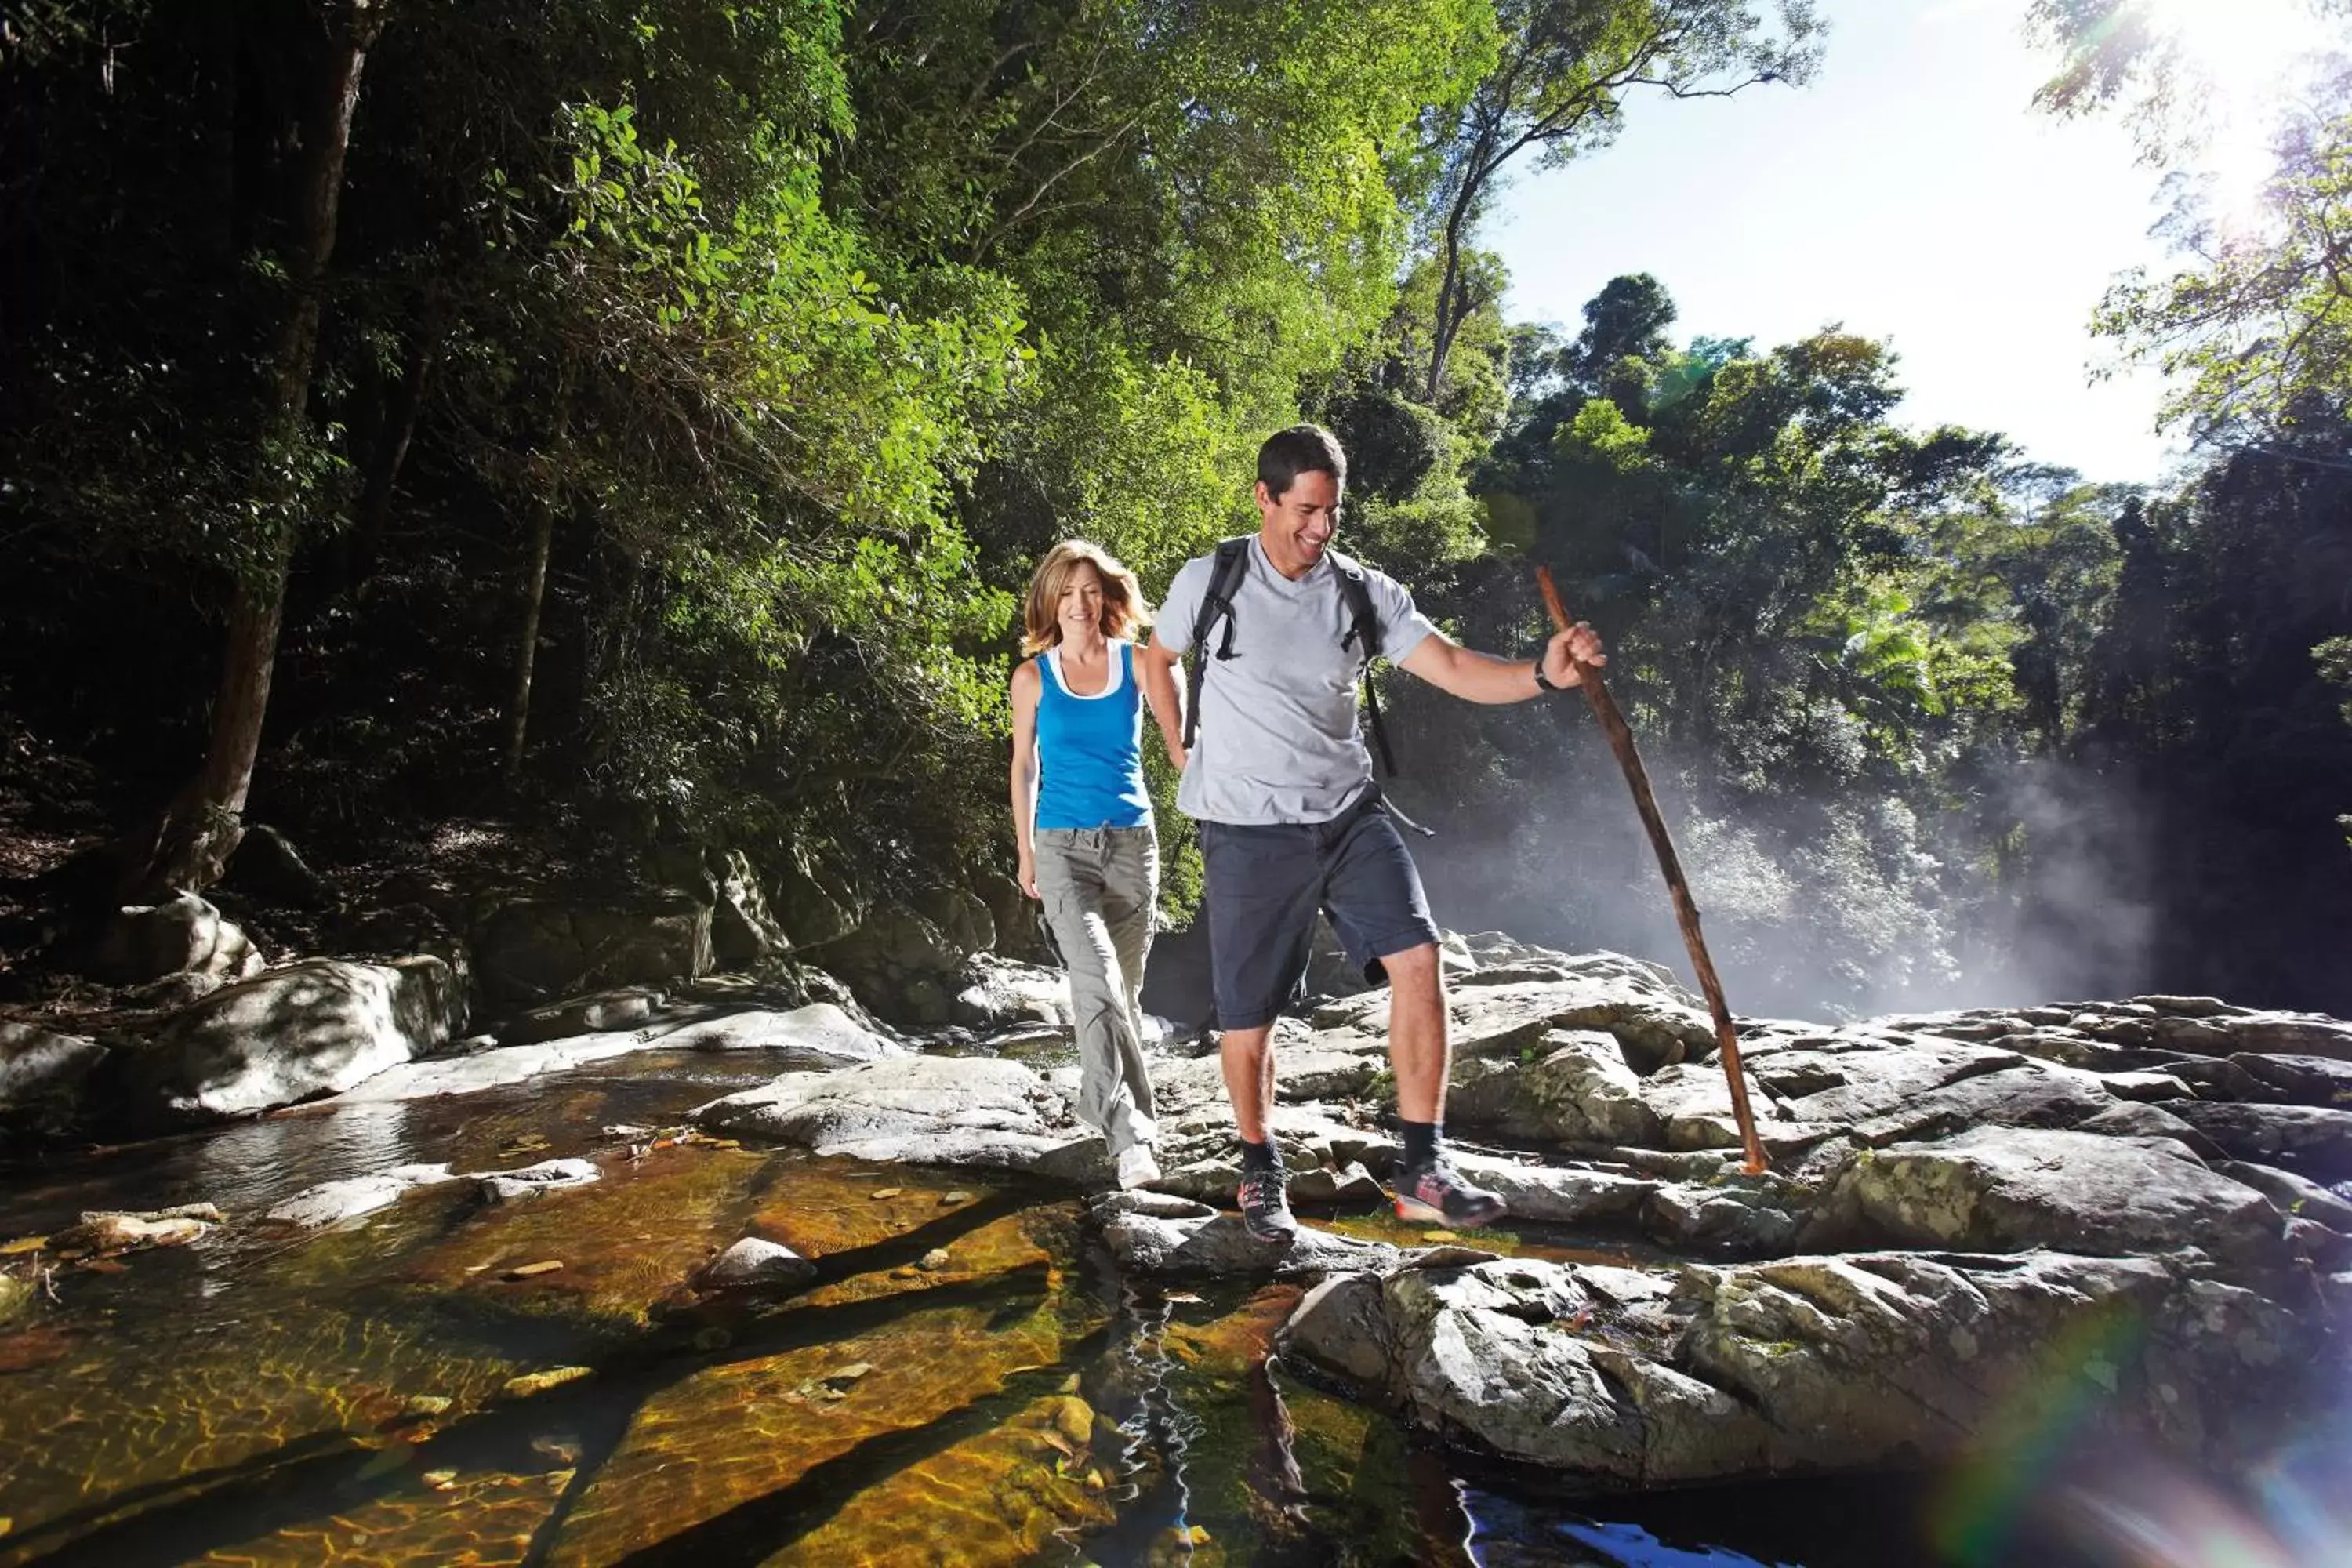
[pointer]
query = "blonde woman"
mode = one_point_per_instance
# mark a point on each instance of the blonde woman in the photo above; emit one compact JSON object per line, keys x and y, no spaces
{"x":1083,"y":823}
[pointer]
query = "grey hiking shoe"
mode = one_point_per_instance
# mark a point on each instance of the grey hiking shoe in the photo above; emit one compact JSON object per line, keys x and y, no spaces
{"x":1435,"y":1194}
{"x":1266,"y":1208}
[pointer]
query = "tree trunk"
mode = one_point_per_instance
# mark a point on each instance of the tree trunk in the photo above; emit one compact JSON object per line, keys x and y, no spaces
{"x":202,"y":827}
{"x":390,"y":450}
{"x":534,"y":594}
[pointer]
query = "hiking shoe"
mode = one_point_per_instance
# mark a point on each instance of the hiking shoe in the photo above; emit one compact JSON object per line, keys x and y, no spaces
{"x":1137,"y":1167}
{"x":1266,"y":1208}
{"x":1435,"y":1194}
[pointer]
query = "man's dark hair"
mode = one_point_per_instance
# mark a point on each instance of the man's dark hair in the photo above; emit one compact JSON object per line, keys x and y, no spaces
{"x":1301,"y":449}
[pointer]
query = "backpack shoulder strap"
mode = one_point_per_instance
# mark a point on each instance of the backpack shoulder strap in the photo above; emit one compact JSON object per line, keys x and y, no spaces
{"x":1224,"y":576}
{"x":1364,"y":637}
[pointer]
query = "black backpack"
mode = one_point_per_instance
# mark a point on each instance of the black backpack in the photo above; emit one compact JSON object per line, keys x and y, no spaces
{"x":1363,"y":635}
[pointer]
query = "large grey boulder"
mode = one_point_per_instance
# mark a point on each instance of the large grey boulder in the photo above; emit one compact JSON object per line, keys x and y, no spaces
{"x":2013,"y":1189}
{"x":1573,"y":1088}
{"x":921,"y":1111}
{"x":819,"y":1036}
{"x":40,"y":1066}
{"x":184,"y":935}
{"x":304,"y":1029}
{"x":529,"y":947}
{"x":996,"y":993}
{"x":2310,"y":1139}
{"x":1499,"y":1012}
{"x":744,"y":934}
{"x":1669,"y":1374}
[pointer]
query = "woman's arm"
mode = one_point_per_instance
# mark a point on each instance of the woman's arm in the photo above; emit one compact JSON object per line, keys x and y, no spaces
{"x":1024,"y":779}
{"x":1156,"y":665}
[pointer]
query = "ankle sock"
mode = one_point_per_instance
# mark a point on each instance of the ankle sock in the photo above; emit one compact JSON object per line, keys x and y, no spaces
{"x":1421,"y":1142}
{"x":1259,"y":1156}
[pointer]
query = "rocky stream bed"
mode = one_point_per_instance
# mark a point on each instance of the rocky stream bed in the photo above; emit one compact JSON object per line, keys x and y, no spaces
{"x":722,"y":1274}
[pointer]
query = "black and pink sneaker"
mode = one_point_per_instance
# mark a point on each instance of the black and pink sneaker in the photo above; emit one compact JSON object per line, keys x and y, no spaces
{"x":1435,"y":1194}
{"x":1266,"y":1208}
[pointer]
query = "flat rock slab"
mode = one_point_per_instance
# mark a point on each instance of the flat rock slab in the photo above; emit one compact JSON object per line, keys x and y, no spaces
{"x":355,"y":1196}
{"x":2305,"y":1138}
{"x":491,"y":1069}
{"x":1209,"y":1245}
{"x":819,"y":1036}
{"x":534,"y":1180}
{"x":2013,"y":1189}
{"x":923,"y":1110}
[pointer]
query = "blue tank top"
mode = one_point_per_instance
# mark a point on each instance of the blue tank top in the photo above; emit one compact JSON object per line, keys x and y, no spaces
{"x":1090,"y":748}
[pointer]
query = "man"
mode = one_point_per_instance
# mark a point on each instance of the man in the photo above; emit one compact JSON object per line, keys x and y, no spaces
{"x":1290,"y":820}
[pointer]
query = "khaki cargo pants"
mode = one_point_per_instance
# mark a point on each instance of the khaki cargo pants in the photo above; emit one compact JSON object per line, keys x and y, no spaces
{"x":1099,"y":884}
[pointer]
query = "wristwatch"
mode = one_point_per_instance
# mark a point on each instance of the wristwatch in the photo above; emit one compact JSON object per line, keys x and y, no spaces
{"x":1544,"y":683}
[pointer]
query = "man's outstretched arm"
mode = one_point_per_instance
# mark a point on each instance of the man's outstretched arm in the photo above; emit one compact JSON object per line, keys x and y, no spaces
{"x":1158,"y":664}
{"x":1482,"y":678}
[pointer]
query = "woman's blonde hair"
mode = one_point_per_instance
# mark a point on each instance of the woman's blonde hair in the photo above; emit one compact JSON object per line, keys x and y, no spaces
{"x":1123,"y":609}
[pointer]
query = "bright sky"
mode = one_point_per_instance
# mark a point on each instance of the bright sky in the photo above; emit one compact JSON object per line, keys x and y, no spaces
{"x":1909,"y":192}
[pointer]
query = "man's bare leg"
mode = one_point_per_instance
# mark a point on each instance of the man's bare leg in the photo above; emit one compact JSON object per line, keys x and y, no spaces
{"x":1418,"y":1047}
{"x":1428,"y":1189}
{"x":1247,"y":1056}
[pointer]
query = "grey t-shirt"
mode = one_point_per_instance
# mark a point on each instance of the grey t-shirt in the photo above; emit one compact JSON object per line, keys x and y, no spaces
{"x":1279,"y":738}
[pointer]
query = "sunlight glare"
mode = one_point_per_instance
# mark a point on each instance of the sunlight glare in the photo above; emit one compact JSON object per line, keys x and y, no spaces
{"x":2244,"y":57}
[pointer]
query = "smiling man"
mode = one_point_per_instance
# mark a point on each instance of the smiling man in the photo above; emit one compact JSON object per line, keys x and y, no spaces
{"x":1291,"y":821}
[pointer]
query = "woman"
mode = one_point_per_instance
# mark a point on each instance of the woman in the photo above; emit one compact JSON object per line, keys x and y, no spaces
{"x":1083,"y":823}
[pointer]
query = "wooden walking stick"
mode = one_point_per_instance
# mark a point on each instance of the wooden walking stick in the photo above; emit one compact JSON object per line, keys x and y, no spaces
{"x":1620,"y":741}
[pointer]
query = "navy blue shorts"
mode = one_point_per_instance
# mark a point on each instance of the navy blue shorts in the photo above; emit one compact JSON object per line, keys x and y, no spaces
{"x":1265,"y":883}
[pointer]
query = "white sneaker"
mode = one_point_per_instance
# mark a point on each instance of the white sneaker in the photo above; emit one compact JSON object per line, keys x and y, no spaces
{"x":1136,"y":1166}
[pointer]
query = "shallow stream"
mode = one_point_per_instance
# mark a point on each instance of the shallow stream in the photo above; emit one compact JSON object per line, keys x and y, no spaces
{"x":968,"y":1381}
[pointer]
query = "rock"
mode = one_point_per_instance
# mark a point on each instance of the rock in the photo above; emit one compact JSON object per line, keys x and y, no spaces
{"x":530,"y":1181}
{"x":932,"y":1111}
{"x":112,"y":1232}
{"x":37,"y":1064}
{"x":904,"y":964}
{"x":1218,"y":1247}
{"x":1650,"y":1377}
{"x":1340,"y":1188}
{"x":302,"y":1030}
{"x":819,"y":1036}
{"x":183,"y":936}
{"x":813,"y":905}
{"x":960,"y":915}
{"x":15,"y":1295}
{"x":355,"y":1195}
{"x":2307,"y":1080}
{"x":530,"y":946}
{"x":1552,"y":1195}
{"x":1692,"y":1100}
{"x":998,"y":992}
{"x":537,"y":1383}
{"x":743,"y":933}
{"x":2294,"y":1195}
{"x":2131,"y":1120}
{"x":2316,"y":1142}
{"x":934,"y":1260}
{"x":2028,"y":1094}
{"x":1497,"y":1017}
{"x":1575,"y":1089}
{"x":267,"y":866}
{"x":2013,"y":1190}
{"x":623,"y":1007}
{"x":757,"y":1263}
{"x":1745,"y":1222}
{"x":2290,"y":1033}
